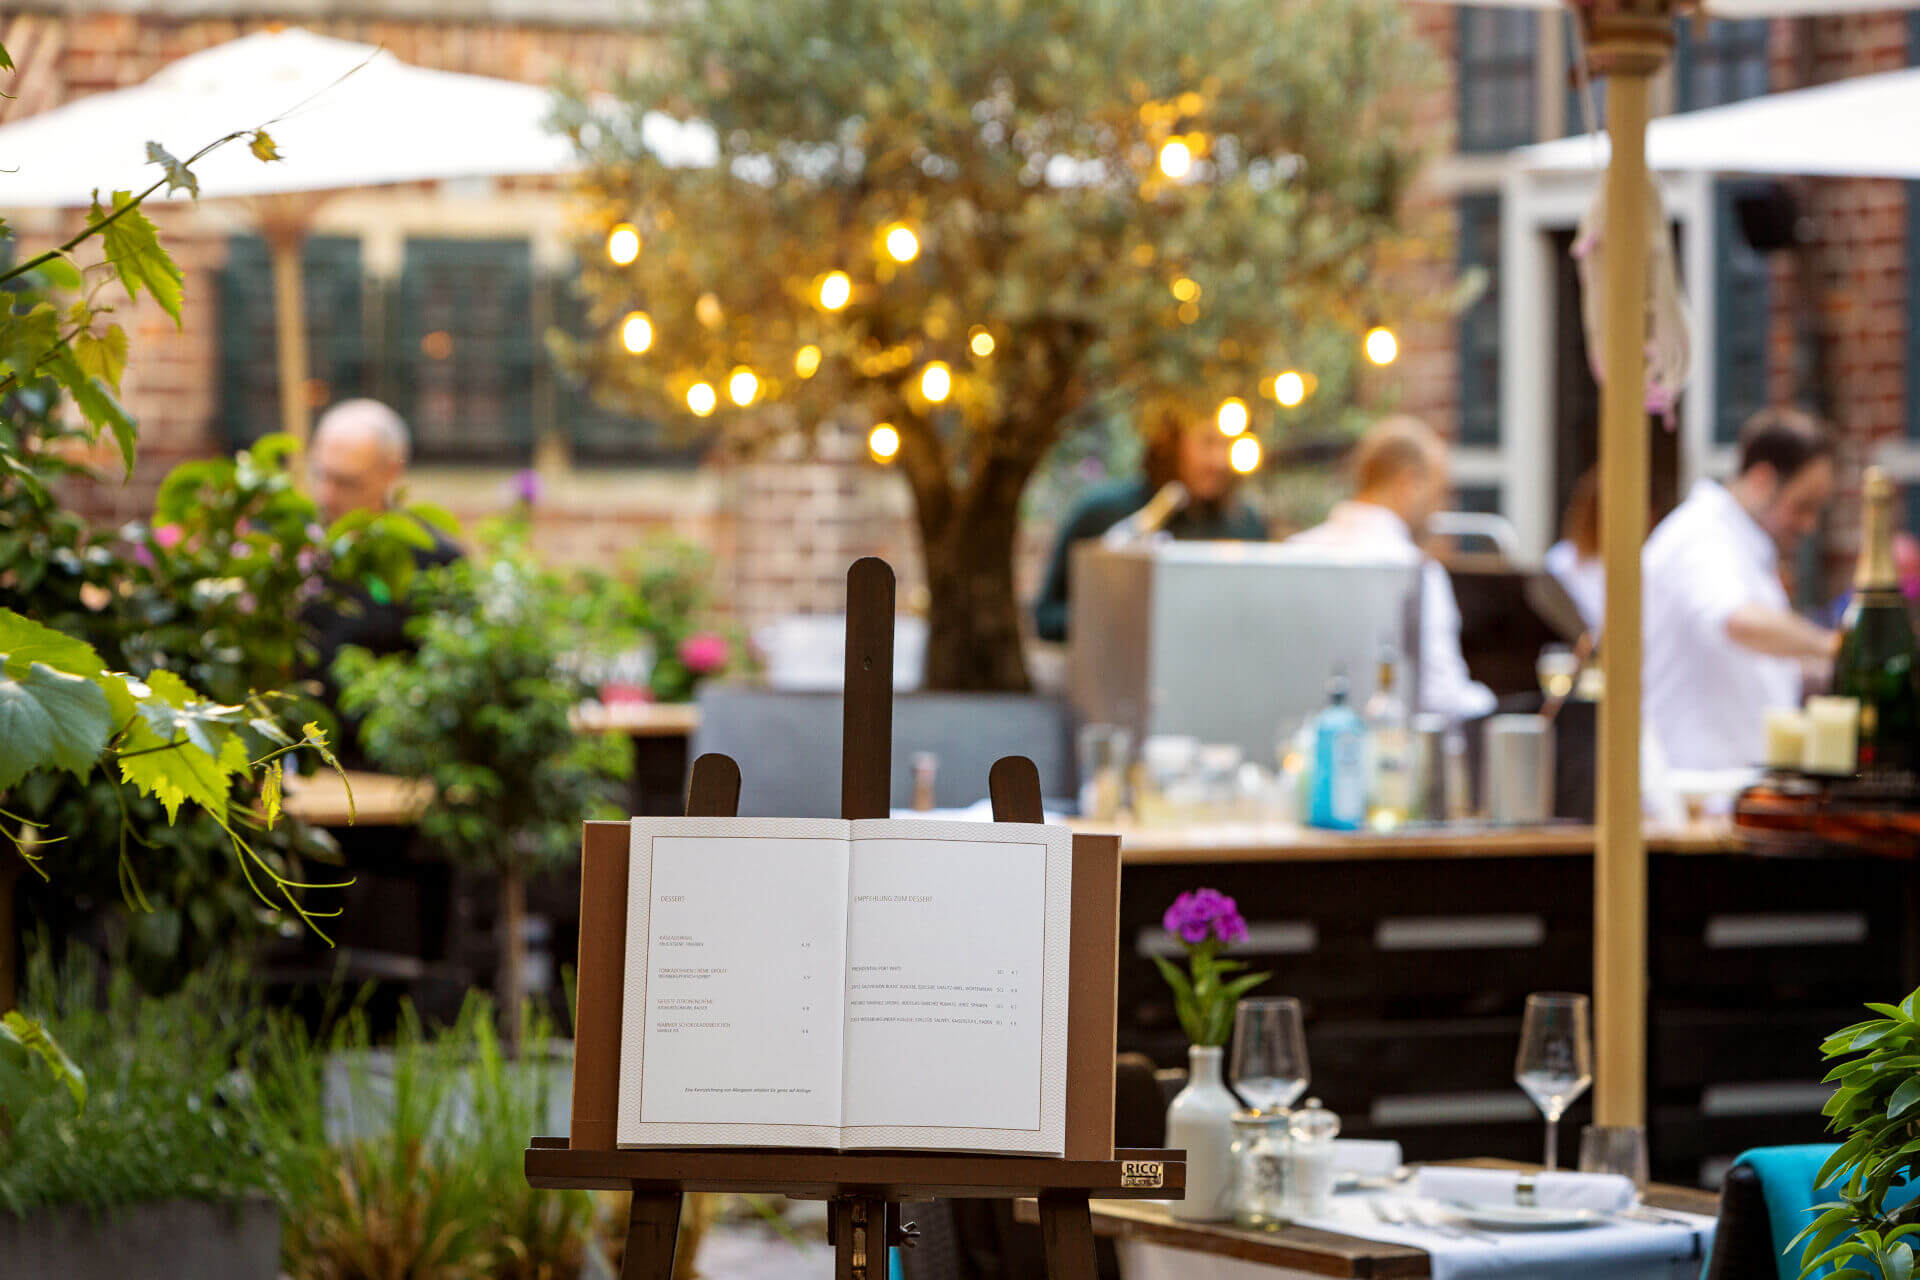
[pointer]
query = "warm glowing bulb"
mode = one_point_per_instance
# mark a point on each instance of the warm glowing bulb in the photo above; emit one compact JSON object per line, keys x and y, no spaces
{"x":902,"y":244}
{"x":979,"y":341}
{"x":936,"y":381}
{"x":742,"y":386}
{"x":1232,"y":416}
{"x":806,"y":361}
{"x":884,"y":442}
{"x":701,"y":399}
{"x":1382,"y":346}
{"x":623,"y":244}
{"x":1290,"y":388}
{"x":1176,"y":158}
{"x":836,"y":290}
{"x":636,"y":332}
{"x":1185,"y":290}
{"x":1244,"y":455}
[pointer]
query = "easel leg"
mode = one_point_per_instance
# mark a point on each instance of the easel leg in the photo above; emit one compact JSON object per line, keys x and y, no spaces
{"x":1066,"y":1232}
{"x":653,"y":1228}
{"x":857,"y":1225}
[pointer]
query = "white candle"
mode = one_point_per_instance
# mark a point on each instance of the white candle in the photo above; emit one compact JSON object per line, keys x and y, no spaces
{"x":1832,"y":735}
{"x":1786,"y":738}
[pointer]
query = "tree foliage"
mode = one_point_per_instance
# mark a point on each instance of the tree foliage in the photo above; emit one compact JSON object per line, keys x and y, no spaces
{"x":1019,"y":141}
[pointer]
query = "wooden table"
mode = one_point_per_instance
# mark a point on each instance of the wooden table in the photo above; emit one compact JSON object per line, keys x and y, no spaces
{"x":377,"y":799}
{"x":1289,"y":842}
{"x":638,"y":719}
{"x":1301,"y":1251}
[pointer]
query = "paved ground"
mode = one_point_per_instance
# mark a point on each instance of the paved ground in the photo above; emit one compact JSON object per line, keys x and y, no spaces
{"x":740,"y":1251}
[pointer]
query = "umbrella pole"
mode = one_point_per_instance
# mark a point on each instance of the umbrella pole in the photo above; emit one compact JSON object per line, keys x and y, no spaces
{"x":285,"y":239}
{"x":1630,"y":52}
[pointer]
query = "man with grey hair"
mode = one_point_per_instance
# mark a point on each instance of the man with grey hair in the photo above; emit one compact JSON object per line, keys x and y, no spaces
{"x":357,"y":461}
{"x":358,"y":457}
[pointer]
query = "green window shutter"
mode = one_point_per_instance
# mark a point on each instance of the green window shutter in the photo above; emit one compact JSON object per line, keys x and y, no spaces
{"x":337,"y":346}
{"x":1479,"y":340}
{"x":597,"y":432}
{"x":1497,"y":83}
{"x":461,"y":349}
{"x":1742,"y":310}
{"x":1724,"y":63}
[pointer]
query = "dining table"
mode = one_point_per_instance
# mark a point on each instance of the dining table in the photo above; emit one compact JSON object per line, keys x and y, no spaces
{"x":1667,"y":1237}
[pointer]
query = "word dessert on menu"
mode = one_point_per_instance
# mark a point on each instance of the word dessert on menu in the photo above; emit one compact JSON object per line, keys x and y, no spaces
{"x":864,"y":985}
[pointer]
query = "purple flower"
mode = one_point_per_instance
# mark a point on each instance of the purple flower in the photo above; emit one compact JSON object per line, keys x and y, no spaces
{"x":525,"y":486}
{"x":704,"y":652}
{"x":1204,"y":914}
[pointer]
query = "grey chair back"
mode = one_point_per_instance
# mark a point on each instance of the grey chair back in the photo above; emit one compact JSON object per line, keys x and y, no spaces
{"x":788,"y":745}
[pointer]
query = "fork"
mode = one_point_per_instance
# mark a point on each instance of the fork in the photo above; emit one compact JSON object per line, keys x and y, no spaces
{"x":1403,"y":1215}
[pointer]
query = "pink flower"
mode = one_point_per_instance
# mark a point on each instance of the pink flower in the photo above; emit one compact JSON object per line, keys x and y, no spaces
{"x":618,"y":691}
{"x":169,"y":536}
{"x":704,"y":652}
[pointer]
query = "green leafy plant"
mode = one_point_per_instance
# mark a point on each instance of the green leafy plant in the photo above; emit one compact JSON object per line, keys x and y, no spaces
{"x":972,"y":220}
{"x":663,"y":596}
{"x":1876,"y":1105}
{"x":161,"y":1115}
{"x":483,"y":710}
{"x":1204,"y":921}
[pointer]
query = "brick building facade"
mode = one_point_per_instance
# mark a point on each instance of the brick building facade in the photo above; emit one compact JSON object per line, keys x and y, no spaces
{"x":496,"y":258}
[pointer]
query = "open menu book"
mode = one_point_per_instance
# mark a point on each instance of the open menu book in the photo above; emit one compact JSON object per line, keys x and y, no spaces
{"x":800,"y":982}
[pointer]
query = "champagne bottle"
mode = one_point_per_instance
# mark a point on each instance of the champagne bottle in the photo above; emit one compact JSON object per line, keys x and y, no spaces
{"x":1875,"y":663}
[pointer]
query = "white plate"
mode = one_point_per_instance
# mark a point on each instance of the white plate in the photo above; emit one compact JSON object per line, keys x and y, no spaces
{"x":1514,"y":1217}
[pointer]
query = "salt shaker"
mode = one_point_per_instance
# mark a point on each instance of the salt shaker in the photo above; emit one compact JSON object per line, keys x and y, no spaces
{"x":1310,"y":1174}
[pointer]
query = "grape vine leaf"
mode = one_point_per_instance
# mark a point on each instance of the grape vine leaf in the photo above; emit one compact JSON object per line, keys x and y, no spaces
{"x":181,"y":747}
{"x":49,"y":718}
{"x":263,"y":146}
{"x":102,"y":356}
{"x":132,"y":245}
{"x":179,"y":177}
{"x":22,"y":1039}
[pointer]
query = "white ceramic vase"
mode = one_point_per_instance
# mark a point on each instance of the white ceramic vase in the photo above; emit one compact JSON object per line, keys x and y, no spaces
{"x":1200,"y":1121}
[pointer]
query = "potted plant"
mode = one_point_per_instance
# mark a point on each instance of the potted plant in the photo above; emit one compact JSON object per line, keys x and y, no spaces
{"x":1200,"y":1119}
{"x":157,"y":1165}
{"x":1876,"y":1105}
{"x":483,"y":710}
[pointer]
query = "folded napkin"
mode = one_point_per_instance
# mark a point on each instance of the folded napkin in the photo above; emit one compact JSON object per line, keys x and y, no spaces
{"x":1366,"y":1157}
{"x":1606,"y":1192}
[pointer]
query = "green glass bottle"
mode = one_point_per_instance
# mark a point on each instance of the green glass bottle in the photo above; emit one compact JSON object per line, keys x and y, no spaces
{"x":1875,"y":662}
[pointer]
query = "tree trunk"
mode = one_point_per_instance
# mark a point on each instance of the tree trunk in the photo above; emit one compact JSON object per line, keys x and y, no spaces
{"x":513,"y":943}
{"x":973,"y":615}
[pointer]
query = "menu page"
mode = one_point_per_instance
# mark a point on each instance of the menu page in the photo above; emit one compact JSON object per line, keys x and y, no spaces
{"x":956,"y":997}
{"x":736,"y":955}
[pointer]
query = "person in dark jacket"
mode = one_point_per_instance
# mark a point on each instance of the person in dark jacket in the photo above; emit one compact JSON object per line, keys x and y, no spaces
{"x":357,"y":460}
{"x":1182,"y":444}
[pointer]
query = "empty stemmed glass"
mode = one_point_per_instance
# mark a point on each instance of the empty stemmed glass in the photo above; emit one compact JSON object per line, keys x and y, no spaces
{"x":1555,"y":1062}
{"x":1269,"y":1068}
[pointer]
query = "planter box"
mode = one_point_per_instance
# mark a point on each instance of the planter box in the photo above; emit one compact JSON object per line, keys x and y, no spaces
{"x":159,"y":1240}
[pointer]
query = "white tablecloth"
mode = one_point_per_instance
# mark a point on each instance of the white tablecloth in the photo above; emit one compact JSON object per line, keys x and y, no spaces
{"x":1626,"y":1250}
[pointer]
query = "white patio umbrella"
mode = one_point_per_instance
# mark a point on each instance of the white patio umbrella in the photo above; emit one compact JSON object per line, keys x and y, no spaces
{"x":343,"y":115}
{"x":1815,"y":132}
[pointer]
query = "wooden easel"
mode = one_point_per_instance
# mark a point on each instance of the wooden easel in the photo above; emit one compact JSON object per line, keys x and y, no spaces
{"x":865,"y":1191}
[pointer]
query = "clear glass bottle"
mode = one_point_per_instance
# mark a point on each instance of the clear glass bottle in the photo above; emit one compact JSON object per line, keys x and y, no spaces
{"x":1339,"y":789}
{"x":1390,"y":786}
{"x":1260,"y":1142}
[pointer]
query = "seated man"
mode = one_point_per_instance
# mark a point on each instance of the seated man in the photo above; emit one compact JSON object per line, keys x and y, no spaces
{"x":357,"y":461}
{"x":1401,"y":477}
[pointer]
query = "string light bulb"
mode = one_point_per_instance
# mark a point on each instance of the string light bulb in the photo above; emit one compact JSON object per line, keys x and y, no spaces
{"x":883,"y":442}
{"x":1290,"y":388}
{"x":936,"y":382}
{"x":979,"y":341}
{"x":1381,"y":345}
{"x":1244,"y":456}
{"x":701,"y":399}
{"x":806,"y":361}
{"x":636,"y":332}
{"x":836,"y":290}
{"x":902,"y":244}
{"x":623,"y":244}
{"x":1232,"y":416}
{"x":742,"y":386}
{"x":1185,"y":290}
{"x":1176,"y":158}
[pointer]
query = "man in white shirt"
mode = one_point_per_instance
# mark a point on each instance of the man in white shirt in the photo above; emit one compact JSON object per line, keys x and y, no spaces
{"x":1401,"y":477}
{"x":1722,"y":642}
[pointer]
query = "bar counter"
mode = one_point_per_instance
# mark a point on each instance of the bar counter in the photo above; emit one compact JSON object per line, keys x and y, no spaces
{"x":1223,"y":842}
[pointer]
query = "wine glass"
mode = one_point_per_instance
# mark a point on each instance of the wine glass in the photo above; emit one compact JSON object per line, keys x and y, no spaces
{"x":1555,"y":1062}
{"x":1269,"y":1068}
